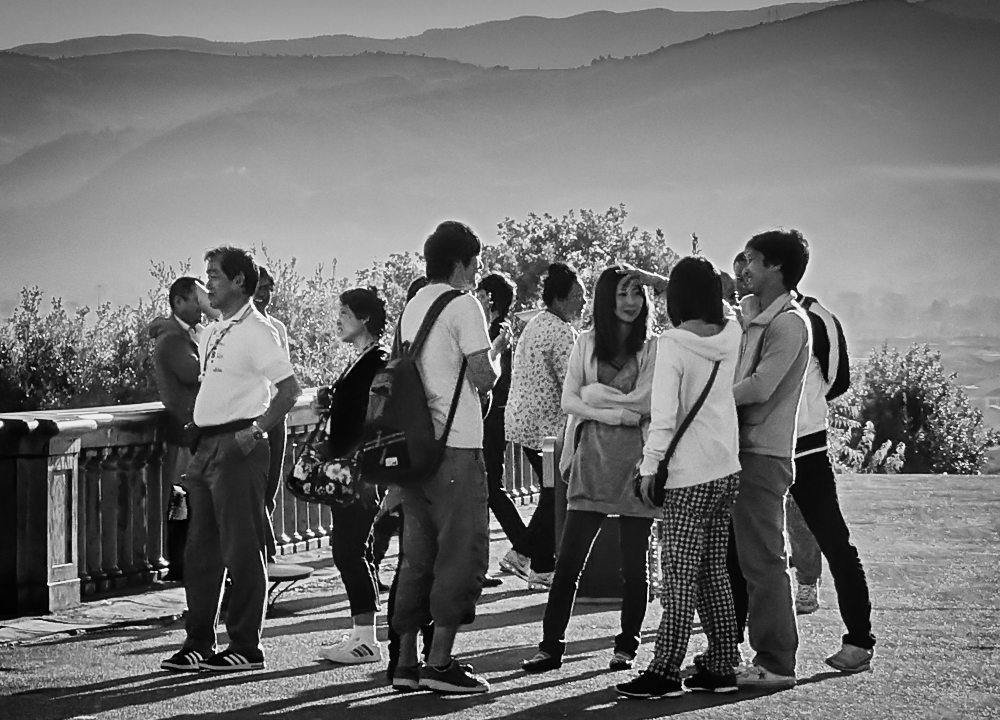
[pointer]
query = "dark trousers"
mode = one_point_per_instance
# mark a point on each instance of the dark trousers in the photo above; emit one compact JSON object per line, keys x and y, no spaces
{"x":353,"y":553}
{"x":276,"y":438}
{"x":494,"y":452}
{"x":815,"y":492}
{"x":226,"y":533}
{"x":579,"y":534}
{"x":539,"y":540}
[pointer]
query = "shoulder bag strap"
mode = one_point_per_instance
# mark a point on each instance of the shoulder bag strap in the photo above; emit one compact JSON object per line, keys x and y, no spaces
{"x":662,"y":468}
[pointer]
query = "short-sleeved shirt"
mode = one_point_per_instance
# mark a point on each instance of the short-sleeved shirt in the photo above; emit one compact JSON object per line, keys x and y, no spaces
{"x":240,"y":360}
{"x":459,"y":332}
{"x":534,"y":404}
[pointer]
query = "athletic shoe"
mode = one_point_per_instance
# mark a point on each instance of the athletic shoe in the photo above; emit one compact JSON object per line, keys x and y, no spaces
{"x":540,"y":581}
{"x":755,"y":676}
{"x":650,"y":686}
{"x":541,"y":662}
{"x":353,"y":652}
{"x":621,"y":661}
{"x":806,"y":599}
{"x":452,"y":679}
{"x":229,"y":661}
{"x":492,"y":581}
{"x":705,"y":681}
{"x":852,"y":659}
{"x":516,"y":564}
{"x":184,"y":660}
{"x":406,"y":678}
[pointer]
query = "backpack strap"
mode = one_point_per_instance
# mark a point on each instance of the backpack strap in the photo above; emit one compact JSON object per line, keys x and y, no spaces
{"x":433,"y":313}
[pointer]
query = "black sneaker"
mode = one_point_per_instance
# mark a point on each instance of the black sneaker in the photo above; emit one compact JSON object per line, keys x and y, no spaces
{"x":542,"y":662}
{"x":650,"y":686}
{"x":184,"y":660}
{"x":229,"y":661}
{"x":452,"y":679}
{"x":705,"y":681}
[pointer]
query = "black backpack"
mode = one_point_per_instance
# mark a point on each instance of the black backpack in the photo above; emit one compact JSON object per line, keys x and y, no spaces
{"x":821,"y":318}
{"x":398,"y":444}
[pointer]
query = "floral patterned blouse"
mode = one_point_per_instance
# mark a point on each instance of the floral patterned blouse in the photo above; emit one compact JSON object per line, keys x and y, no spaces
{"x":534,"y":405}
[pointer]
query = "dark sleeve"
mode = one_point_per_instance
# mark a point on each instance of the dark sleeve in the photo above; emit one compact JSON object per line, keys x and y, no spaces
{"x":179,"y":357}
{"x":349,"y":402}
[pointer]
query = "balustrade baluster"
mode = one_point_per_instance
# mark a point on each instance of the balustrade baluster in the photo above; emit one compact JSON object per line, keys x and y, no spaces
{"x":108,"y":511}
{"x":157,"y":502}
{"x":89,"y":527}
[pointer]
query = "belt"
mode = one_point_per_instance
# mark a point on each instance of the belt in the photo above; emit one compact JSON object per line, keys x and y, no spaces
{"x":230,"y":427}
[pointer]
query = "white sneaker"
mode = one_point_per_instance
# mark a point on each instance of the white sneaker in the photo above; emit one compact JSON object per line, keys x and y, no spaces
{"x":806,"y":599}
{"x":540,"y":581}
{"x":751,"y":676}
{"x":516,"y":564}
{"x":352,"y":652}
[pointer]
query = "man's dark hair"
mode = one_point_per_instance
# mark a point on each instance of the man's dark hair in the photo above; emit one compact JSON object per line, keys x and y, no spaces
{"x":366,"y":304}
{"x":264,"y":274}
{"x":558,"y":283}
{"x":740,"y":259}
{"x":451,"y":242}
{"x":234,"y":261}
{"x":694,"y":292}
{"x":182,"y":287}
{"x":501,"y":291}
{"x":786,"y":248}
{"x":415,"y":287}
{"x":606,"y":322}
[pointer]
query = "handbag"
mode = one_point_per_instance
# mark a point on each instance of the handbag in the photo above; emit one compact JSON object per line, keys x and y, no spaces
{"x":317,"y":478}
{"x":659,"y":487}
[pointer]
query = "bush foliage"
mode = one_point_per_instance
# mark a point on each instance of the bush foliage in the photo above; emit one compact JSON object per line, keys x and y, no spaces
{"x":903,"y":412}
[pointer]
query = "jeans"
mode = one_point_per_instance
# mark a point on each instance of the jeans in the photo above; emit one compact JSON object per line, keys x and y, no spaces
{"x":815,"y":492}
{"x":446,"y":545}
{"x":539,"y":541}
{"x":579,"y":534}
{"x":759,"y":523}
{"x":806,"y":557}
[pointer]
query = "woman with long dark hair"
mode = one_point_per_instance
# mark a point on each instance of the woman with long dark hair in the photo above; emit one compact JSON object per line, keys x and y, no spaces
{"x":360,"y":323}
{"x":606,"y":394}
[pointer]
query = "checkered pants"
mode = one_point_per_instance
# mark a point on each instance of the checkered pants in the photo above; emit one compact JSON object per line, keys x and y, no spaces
{"x":695,"y":537}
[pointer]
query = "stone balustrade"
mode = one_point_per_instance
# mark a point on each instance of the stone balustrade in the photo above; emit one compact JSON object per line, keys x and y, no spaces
{"x":83,"y":503}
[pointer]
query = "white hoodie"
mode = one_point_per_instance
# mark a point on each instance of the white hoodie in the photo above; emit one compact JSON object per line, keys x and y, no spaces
{"x":709,"y":449}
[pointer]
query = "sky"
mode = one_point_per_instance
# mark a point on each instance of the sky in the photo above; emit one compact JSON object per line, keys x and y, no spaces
{"x":30,"y":21}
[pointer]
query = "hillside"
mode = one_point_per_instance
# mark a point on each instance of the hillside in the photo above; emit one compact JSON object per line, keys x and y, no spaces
{"x":523,"y":42}
{"x":871,"y":126}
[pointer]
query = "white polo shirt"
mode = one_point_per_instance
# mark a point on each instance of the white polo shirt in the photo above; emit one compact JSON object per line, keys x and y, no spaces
{"x":240,"y":360}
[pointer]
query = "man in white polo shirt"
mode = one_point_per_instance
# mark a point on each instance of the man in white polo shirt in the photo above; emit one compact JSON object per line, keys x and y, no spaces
{"x":226,"y":480}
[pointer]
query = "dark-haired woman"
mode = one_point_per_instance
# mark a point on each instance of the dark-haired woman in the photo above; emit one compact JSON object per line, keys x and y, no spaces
{"x":701,"y":483}
{"x":360,"y":323}
{"x":607,"y":395}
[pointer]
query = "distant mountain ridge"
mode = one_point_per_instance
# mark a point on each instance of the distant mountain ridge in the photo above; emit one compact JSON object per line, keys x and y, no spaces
{"x":526,"y":42}
{"x":871,"y":126}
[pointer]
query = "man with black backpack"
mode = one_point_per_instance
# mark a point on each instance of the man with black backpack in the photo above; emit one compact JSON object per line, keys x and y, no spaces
{"x":446,"y":533}
{"x":815,"y":488}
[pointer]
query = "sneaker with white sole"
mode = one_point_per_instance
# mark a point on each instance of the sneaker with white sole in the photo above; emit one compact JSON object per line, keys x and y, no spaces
{"x":540,"y":581}
{"x":229,"y":661}
{"x":806,"y":599}
{"x":406,"y":678}
{"x":516,"y":564}
{"x":755,"y":676}
{"x":454,"y":679}
{"x":353,"y":652}
{"x":852,"y":659}
{"x":650,"y":686}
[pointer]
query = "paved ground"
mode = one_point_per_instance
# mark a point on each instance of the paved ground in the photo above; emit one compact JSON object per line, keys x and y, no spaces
{"x":930,"y":545}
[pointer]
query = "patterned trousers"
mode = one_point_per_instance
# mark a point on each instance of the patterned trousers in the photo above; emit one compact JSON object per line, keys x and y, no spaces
{"x":695,"y":538}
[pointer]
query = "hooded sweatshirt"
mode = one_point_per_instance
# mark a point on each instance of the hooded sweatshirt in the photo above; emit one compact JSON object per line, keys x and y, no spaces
{"x":709,"y":448}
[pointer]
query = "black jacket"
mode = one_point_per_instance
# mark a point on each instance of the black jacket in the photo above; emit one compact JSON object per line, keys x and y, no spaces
{"x":349,"y":402}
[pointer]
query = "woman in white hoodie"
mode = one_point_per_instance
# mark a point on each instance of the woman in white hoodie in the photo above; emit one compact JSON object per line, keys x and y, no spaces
{"x":701,"y":483}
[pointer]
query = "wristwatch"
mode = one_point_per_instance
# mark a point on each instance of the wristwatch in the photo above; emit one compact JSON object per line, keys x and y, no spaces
{"x":258,"y":431}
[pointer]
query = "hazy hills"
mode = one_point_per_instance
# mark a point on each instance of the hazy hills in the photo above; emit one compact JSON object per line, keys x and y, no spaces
{"x":871,"y":126}
{"x":522,"y":42}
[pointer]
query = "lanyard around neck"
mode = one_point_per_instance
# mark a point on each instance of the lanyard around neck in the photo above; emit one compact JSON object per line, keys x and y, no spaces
{"x":216,"y":341}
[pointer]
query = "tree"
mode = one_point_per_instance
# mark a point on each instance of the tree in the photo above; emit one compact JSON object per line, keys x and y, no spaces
{"x":910,"y":399}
